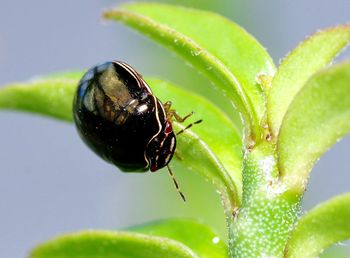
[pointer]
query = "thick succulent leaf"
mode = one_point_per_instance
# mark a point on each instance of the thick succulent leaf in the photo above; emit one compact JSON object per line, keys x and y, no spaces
{"x":106,"y":244}
{"x":53,"y":96}
{"x":217,"y":47}
{"x":316,"y":119}
{"x":323,"y":226}
{"x":47,"y":96}
{"x":200,"y":238}
{"x":309,"y":57}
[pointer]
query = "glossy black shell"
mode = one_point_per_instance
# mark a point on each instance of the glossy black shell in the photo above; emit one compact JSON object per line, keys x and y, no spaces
{"x":120,"y":119}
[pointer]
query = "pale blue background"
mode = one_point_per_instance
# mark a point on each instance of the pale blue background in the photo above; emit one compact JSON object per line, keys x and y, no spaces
{"x":51,"y":183}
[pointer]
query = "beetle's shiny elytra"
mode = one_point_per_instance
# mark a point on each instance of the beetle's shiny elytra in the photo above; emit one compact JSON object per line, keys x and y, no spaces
{"x":121,"y":120}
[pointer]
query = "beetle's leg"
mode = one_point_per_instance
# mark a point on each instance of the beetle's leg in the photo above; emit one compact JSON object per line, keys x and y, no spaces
{"x":173,"y":114}
{"x":171,"y":174}
{"x":167,"y":106}
{"x":189,"y":126}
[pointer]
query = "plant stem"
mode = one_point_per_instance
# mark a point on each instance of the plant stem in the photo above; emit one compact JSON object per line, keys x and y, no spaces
{"x":268,"y":212}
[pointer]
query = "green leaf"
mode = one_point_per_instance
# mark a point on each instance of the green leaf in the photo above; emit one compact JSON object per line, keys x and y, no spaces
{"x":200,"y":238}
{"x":309,"y":57}
{"x":323,"y":226}
{"x":105,"y":244}
{"x":316,"y":119}
{"x":215,"y":46}
{"x":53,"y":96}
{"x":50,"y":96}
{"x":215,"y":137}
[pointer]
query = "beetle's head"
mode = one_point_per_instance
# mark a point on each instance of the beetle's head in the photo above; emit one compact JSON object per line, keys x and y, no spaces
{"x":161,"y":148}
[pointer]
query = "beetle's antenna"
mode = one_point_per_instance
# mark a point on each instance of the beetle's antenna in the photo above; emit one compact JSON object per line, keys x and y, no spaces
{"x":189,"y":126}
{"x":171,"y":174}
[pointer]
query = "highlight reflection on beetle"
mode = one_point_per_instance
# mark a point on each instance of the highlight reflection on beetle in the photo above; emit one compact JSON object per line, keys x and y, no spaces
{"x":121,"y":120}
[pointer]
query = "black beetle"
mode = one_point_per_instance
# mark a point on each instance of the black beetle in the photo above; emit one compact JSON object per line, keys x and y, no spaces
{"x":121,"y":120}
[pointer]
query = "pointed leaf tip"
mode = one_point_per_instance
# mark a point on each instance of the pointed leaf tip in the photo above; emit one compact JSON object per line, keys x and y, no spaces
{"x":309,"y":57}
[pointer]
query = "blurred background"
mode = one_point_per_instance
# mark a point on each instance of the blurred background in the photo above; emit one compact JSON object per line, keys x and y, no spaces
{"x":50,"y":183}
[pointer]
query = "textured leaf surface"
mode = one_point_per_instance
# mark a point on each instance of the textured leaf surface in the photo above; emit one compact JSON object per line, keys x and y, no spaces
{"x":220,"y":49}
{"x":317,"y":118}
{"x":323,"y":226}
{"x":104,"y":244}
{"x":53,"y":96}
{"x":309,"y":57}
{"x":200,"y":238}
